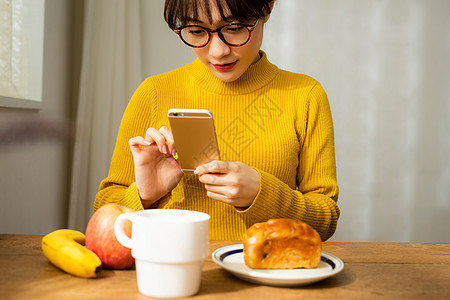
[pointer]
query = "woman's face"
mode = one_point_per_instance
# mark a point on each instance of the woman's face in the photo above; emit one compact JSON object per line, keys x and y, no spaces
{"x":225,"y":62}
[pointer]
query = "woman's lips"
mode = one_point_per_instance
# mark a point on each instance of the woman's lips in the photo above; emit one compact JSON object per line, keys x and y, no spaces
{"x":224,"y":67}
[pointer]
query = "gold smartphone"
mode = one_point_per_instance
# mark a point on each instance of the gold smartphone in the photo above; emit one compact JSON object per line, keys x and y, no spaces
{"x":195,"y":137}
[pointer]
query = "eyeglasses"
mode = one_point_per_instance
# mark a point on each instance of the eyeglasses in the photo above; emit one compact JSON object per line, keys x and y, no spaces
{"x":234,"y":34}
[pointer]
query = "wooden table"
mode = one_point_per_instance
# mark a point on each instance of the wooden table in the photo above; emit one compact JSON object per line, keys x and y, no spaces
{"x":372,"y":270}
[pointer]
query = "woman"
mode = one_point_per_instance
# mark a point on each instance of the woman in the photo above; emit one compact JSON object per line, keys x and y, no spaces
{"x":274,"y":127}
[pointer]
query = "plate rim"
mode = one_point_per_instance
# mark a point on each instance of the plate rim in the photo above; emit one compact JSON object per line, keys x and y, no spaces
{"x":254,"y":274}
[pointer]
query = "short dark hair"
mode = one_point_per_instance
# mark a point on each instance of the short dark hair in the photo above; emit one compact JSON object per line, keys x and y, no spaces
{"x":179,"y":12}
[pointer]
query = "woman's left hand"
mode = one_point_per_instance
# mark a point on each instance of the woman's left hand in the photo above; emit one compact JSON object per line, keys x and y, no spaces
{"x":231,"y":182}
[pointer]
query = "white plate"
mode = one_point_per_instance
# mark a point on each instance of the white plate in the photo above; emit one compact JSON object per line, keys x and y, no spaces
{"x":231,"y":258}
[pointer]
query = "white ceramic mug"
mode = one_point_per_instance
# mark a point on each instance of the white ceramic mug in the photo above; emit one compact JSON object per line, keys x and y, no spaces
{"x":169,"y":247}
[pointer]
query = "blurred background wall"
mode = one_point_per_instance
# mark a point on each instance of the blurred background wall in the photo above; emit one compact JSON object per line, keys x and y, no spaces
{"x":35,"y":144}
{"x":385,"y":66}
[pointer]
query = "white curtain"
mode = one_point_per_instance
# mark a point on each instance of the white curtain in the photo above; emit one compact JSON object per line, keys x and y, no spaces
{"x":110,"y":71}
{"x":386,"y":68}
{"x":13,"y":49}
{"x":384,"y":64}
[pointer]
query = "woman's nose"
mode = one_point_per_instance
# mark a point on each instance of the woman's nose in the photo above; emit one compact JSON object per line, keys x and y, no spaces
{"x":217,"y":48}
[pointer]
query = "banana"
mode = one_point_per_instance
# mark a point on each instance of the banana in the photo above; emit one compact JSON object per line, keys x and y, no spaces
{"x":65,"y":249}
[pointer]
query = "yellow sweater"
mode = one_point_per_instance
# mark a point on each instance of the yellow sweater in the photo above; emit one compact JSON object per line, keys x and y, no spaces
{"x":275,"y":121}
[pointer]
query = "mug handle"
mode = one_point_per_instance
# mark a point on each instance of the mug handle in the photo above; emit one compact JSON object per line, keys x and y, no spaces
{"x":118,"y":229}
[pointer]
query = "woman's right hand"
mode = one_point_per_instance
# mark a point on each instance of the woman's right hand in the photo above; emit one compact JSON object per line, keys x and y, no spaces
{"x":157,"y":172}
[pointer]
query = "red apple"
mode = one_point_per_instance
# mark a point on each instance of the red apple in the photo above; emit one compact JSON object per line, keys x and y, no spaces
{"x":101,"y":239}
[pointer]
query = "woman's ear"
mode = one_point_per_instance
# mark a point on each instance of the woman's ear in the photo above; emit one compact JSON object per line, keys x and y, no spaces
{"x":271,"y":3}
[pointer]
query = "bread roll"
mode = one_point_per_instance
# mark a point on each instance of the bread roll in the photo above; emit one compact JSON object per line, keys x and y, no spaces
{"x":282,"y":244}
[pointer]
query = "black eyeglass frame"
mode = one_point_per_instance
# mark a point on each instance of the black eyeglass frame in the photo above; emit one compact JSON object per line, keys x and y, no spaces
{"x":250,"y":28}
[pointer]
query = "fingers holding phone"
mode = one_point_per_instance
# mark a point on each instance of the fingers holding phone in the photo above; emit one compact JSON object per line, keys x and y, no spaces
{"x":157,"y":172}
{"x":234,"y":183}
{"x":163,"y":139}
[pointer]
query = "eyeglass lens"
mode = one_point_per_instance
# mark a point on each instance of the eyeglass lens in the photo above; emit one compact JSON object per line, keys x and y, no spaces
{"x":233,"y":34}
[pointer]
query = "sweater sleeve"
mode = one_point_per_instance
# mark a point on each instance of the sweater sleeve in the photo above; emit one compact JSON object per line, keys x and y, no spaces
{"x":120,"y":186}
{"x":314,"y":200}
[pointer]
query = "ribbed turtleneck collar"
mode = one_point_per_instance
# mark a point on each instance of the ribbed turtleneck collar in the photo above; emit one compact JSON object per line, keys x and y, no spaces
{"x":257,"y":76}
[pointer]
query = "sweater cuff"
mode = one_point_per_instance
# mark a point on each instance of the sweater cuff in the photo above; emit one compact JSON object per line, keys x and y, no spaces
{"x":265,"y":205}
{"x":132,"y":198}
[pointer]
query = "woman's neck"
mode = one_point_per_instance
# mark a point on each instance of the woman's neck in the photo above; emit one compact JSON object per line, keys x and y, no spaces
{"x":257,"y":57}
